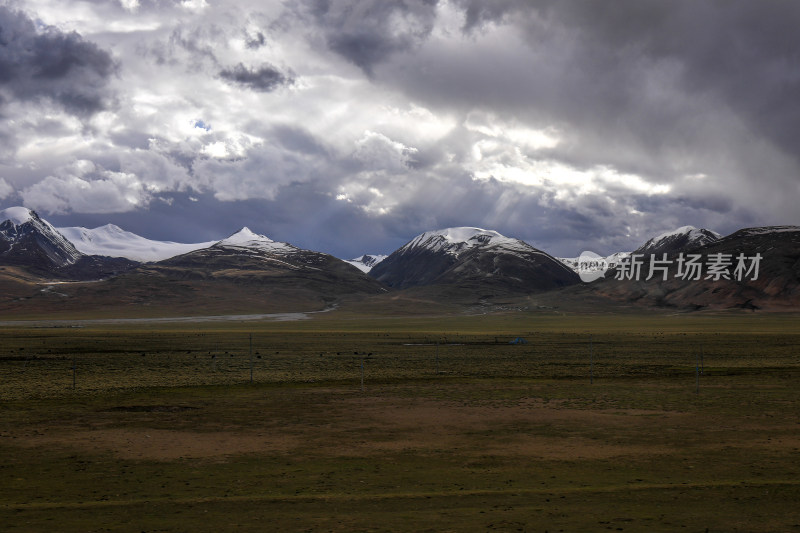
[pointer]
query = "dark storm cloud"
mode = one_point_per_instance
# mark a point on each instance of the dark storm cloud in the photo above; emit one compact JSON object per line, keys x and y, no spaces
{"x":255,"y":42}
{"x":50,"y":64}
{"x":414,"y":115}
{"x":367,"y":32}
{"x":658,"y":90}
{"x":479,"y":12}
{"x":742,"y":52}
{"x":265,"y":78}
{"x":650,"y":78}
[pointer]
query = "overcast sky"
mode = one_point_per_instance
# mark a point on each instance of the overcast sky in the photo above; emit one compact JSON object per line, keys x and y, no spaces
{"x":351,"y":126}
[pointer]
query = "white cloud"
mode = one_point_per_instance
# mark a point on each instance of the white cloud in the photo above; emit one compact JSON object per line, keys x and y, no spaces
{"x":379,"y":153}
{"x":155,"y":171}
{"x":217,"y":150}
{"x":194,"y":5}
{"x":5,"y":189}
{"x":259,"y":173}
{"x":85,"y":188}
{"x":509,"y":153}
{"x":520,"y":135}
{"x":130,"y":5}
{"x":116,"y":193}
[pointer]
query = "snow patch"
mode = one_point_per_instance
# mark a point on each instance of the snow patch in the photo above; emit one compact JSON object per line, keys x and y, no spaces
{"x":112,"y":241}
{"x":245,"y":238}
{"x":366,"y":262}
{"x":17,"y":215}
{"x":691,"y":231}
{"x":454,"y":241}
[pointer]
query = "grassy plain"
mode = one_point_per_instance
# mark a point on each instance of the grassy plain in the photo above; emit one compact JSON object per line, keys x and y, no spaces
{"x":596,"y":424}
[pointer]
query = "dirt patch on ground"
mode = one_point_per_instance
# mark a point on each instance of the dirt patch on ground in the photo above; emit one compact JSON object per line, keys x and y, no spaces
{"x":361,"y":426}
{"x":357,"y":427}
{"x":527,"y":429}
{"x":164,"y":445}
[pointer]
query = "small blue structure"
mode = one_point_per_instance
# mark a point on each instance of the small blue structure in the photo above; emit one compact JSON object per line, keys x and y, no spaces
{"x":518,"y":340}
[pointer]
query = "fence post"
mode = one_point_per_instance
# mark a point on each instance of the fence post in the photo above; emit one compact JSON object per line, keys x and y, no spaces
{"x":702,"y":363}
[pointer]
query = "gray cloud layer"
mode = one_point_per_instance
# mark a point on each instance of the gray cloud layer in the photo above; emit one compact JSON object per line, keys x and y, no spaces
{"x":350,"y":126}
{"x":264,"y":78}
{"x":47,"y":63}
{"x":368,"y":32}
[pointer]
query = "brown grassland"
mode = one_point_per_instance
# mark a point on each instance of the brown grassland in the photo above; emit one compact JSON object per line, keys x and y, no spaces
{"x":598,"y":423}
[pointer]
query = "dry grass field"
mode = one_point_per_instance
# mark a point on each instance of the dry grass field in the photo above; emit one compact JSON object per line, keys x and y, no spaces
{"x":598,"y":423}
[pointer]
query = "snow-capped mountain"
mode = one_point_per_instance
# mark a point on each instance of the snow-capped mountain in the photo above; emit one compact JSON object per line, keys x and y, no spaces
{"x":472,"y":257}
{"x":366,"y":261}
{"x":678,"y":240}
{"x":26,"y":238}
{"x":30,"y":242}
{"x":249,"y":259}
{"x":246,"y":240}
{"x":113,"y":241}
{"x":454,"y":241}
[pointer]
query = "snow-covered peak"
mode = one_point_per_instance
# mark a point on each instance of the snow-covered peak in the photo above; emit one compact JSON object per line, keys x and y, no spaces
{"x":454,"y":241}
{"x":245,"y":238}
{"x":113,"y":229}
{"x":679,"y":239}
{"x":112,"y":241}
{"x":366,"y":261}
{"x":19,"y":223}
{"x":465,"y":234}
{"x":17,"y":215}
{"x":690,"y":231}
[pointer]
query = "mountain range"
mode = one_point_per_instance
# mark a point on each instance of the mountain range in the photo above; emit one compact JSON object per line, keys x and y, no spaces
{"x":108,"y":268}
{"x":683,"y":239}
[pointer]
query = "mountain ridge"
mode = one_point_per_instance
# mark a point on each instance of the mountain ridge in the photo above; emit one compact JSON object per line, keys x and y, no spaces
{"x":771,"y":280}
{"x":459,"y":265}
{"x":112,"y":241}
{"x":472,"y":257}
{"x":684,"y":238}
